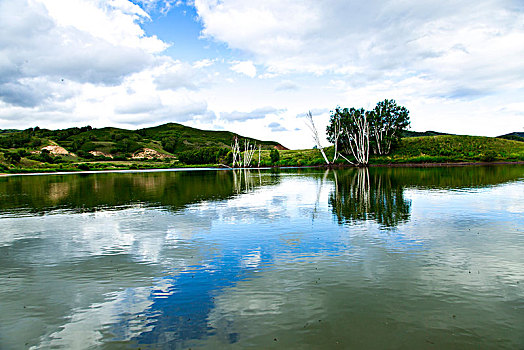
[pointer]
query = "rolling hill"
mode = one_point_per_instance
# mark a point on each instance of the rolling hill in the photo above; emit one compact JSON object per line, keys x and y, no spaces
{"x":515,"y":136}
{"x":166,"y":140}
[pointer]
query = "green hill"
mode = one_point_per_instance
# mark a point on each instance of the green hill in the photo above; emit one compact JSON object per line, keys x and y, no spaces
{"x":408,"y":133}
{"x":164,"y":144}
{"x":168,"y":139}
{"x":515,"y":136}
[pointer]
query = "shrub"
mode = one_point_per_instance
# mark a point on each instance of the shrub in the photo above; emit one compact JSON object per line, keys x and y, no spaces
{"x":489,"y":156}
{"x":274,"y":155}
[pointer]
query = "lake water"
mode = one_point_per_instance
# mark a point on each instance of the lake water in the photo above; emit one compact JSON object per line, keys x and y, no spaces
{"x":385,"y":258}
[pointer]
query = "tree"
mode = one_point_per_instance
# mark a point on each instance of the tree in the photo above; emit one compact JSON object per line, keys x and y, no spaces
{"x":170,"y":143}
{"x":356,"y":131}
{"x":387,"y":121}
{"x":12,"y":157}
{"x":274,"y":155}
{"x":349,"y":130}
{"x":249,"y":151}
{"x":235,"y":148}
{"x":311,"y":125}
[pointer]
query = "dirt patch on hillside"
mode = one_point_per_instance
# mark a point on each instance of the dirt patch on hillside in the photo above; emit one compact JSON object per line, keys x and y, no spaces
{"x":148,"y":153}
{"x":57,"y":150}
{"x":101,"y":154}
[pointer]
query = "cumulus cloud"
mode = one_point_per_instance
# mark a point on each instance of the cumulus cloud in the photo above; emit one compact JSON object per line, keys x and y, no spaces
{"x":244,"y":67}
{"x":81,"y":41}
{"x":259,"y":113}
{"x":90,"y":61}
{"x":457,"y":45}
{"x":176,"y":75}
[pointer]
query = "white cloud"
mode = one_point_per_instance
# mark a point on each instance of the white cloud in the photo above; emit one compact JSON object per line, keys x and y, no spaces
{"x":259,"y":113}
{"x":244,"y":67}
{"x":287,"y":85}
{"x":458,"y":46}
{"x":276,"y":127}
{"x":89,"y":62}
{"x":206,"y":62}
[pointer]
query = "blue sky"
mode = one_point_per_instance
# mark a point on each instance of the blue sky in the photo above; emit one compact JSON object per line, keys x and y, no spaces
{"x":255,"y":67}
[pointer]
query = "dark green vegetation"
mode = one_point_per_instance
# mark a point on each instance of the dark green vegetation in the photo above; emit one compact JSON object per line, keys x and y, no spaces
{"x":409,"y":133}
{"x":274,"y":156}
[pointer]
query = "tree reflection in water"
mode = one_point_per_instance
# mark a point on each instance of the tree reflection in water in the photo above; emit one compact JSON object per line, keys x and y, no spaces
{"x":360,"y":195}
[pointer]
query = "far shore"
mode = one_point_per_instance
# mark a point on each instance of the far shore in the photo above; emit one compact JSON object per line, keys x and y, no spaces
{"x":33,"y":172}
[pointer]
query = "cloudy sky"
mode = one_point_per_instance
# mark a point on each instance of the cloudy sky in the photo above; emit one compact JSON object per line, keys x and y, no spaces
{"x":255,"y":67}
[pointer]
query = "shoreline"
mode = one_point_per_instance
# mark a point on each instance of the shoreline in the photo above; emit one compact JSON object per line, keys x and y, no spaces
{"x":221,"y":167}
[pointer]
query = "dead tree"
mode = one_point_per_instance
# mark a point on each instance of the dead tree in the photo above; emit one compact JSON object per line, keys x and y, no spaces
{"x":249,"y":151}
{"x":316,"y":138}
{"x":235,"y":148}
{"x":259,"y":151}
{"x":358,"y":137}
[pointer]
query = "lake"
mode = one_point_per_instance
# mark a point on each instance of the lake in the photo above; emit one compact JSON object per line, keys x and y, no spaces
{"x":397,"y":258}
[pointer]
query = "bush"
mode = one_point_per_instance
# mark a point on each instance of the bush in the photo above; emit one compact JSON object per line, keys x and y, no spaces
{"x":274,"y":155}
{"x":83,"y":166}
{"x":489,"y":156}
{"x":12,"y":157}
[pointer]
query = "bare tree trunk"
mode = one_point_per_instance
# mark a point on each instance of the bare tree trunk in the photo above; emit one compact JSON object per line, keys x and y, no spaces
{"x":358,"y":140}
{"x":249,"y":151}
{"x":235,"y":148}
{"x":316,"y":138}
{"x":259,"y":150}
{"x":337,"y":133}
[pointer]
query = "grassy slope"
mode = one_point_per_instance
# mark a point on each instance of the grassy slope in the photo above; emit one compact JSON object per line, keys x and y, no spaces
{"x":454,"y":148}
{"x":427,"y":149}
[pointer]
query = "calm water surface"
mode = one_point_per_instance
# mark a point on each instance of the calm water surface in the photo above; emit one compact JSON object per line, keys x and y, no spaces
{"x":292,"y":259}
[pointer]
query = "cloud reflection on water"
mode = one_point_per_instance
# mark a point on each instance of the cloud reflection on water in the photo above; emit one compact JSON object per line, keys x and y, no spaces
{"x":211,"y":271}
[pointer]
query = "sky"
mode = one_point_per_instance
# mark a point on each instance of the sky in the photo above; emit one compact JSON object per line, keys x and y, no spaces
{"x":256,"y":67}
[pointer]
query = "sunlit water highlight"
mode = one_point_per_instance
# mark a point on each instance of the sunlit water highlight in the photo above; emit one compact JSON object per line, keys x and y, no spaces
{"x":296,"y":259}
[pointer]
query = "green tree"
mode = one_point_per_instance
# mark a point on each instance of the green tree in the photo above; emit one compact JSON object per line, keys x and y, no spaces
{"x":170,"y":143}
{"x":387,"y":121}
{"x":12,"y":157}
{"x":274,"y":155}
